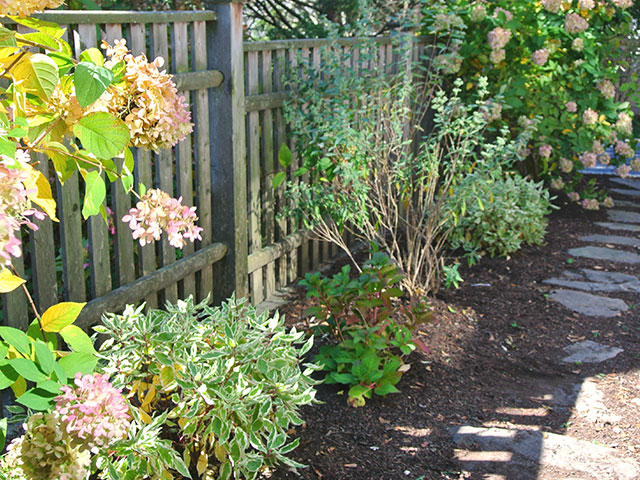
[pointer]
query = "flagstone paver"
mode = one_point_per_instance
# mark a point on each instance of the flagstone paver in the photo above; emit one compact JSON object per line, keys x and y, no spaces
{"x":623,"y":216}
{"x":590,"y":404}
{"x":588,"y":304}
{"x":629,"y":227}
{"x":627,"y":182}
{"x":588,"y":351}
{"x":627,"y":192}
{"x":603,"y":253}
{"x":596,"y":281}
{"x":612,"y":239}
{"x":627,"y":203}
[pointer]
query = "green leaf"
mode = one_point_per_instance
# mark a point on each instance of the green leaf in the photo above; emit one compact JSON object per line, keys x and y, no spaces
{"x":27,"y":369}
{"x":44,"y":356}
{"x":385,"y":389}
{"x":8,"y":375}
{"x":64,"y":62}
{"x":75,"y":362}
{"x":92,"y":55}
{"x":278,"y":178}
{"x":284,"y":156}
{"x":3,"y":432}
{"x":37,"y":399}
{"x":90,"y":82}
{"x":94,"y":195}
{"x":37,"y":74}
{"x":358,"y":390}
{"x":63,"y":162}
{"x":77,"y":339}
{"x":60,"y":315}
{"x":102,"y":134}
{"x":49,"y":28}
{"x":50,"y":386}
{"x":17,"y":339}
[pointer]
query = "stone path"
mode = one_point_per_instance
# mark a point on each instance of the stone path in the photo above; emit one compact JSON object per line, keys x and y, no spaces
{"x":523,"y":451}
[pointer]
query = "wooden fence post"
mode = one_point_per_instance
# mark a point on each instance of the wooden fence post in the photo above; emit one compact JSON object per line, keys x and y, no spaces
{"x":228,"y":159}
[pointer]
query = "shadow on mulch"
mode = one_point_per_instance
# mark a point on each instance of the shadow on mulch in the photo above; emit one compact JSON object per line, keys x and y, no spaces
{"x":494,"y":362}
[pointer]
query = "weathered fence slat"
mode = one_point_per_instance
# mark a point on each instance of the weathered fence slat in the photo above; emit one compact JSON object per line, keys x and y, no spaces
{"x":144,"y":175}
{"x":203,"y":155}
{"x":255,"y":173}
{"x":184,"y":161}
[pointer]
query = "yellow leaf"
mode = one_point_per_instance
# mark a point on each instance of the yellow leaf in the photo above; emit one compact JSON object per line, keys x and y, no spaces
{"x":166,"y":376}
{"x":145,"y":417}
{"x":8,"y":281}
{"x":42,"y":195}
{"x":60,"y":315}
{"x":221,"y":453}
{"x":566,"y":131}
{"x":469,"y":86}
{"x":602,"y":118}
{"x":203,"y":463}
{"x":19,"y":387}
{"x":151,"y":394}
{"x":182,"y":421}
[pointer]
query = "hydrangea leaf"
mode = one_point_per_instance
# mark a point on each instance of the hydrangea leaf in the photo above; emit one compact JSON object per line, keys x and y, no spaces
{"x":77,"y":339}
{"x":102,"y":134}
{"x":60,"y":315}
{"x":36,"y":74}
{"x":9,"y":281}
{"x":90,"y":81}
{"x":94,"y":194}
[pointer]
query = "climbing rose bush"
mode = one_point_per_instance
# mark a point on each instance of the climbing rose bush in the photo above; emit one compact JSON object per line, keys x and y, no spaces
{"x":554,"y":60}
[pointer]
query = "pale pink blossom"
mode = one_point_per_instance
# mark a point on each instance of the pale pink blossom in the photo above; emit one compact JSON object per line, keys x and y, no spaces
{"x":604,"y":158}
{"x":552,"y":6}
{"x":498,"y":55}
{"x":590,"y":204}
{"x":498,"y":38}
{"x":545,"y":150}
{"x":635,"y":164}
{"x":623,"y":170}
{"x":607,"y":89}
{"x":557,"y":184}
{"x":571,"y":107}
{"x":574,"y":196}
{"x":589,"y":117}
{"x":587,"y":4}
{"x":608,"y":202}
{"x":624,"y":123}
{"x":157,"y":212}
{"x":574,"y":23}
{"x":507,"y":13}
{"x":588,"y":159}
{"x":624,"y":149}
{"x":597,"y":147}
{"x":623,"y":3}
{"x":566,"y":165}
{"x":577,"y":44}
{"x":539,"y":57}
{"x":478,"y":13}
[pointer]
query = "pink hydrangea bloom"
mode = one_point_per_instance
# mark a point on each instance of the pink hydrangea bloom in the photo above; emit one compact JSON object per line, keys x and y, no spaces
{"x":623,"y":3}
{"x":507,"y":13}
{"x":577,"y":44}
{"x":557,"y":184}
{"x":93,"y":412}
{"x":574,"y":196}
{"x":597,"y":147}
{"x":588,"y":159}
{"x":565,"y":165}
{"x":624,"y":149}
{"x":571,"y":107}
{"x":574,"y":23}
{"x":15,"y":210}
{"x":590,"y":204}
{"x":623,"y":170}
{"x":498,"y":38}
{"x":497,"y":55}
{"x":494,"y":111}
{"x":635,"y":164}
{"x":545,"y":150}
{"x":587,"y":4}
{"x":608,"y":202}
{"x":552,"y":6}
{"x":539,"y":57}
{"x":589,"y":117}
{"x":604,"y":158}
{"x":157,"y":211}
{"x":478,"y":12}
{"x":607,"y":89}
{"x":624,"y":123}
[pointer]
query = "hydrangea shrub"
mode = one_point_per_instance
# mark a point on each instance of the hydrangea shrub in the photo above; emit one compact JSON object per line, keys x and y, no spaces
{"x":550,"y":59}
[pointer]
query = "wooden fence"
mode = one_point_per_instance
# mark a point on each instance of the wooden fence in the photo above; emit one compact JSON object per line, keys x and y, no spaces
{"x":225,"y":168}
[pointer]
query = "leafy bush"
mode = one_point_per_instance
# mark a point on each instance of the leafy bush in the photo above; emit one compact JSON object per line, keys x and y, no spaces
{"x":229,"y":381}
{"x":381,"y":151}
{"x":362,"y":317}
{"x":557,"y":60}
{"x":497,"y":213}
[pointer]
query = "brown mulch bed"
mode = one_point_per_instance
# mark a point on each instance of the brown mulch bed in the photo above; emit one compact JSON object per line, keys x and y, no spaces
{"x":495,"y":348}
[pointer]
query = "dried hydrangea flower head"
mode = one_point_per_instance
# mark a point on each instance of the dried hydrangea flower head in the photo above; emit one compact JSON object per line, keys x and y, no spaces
{"x":566,"y":165}
{"x":552,"y":6}
{"x":147,"y":100}
{"x":45,"y":452}
{"x":157,"y":211}
{"x":623,"y":3}
{"x":498,"y":38}
{"x":539,"y":57}
{"x":624,"y":123}
{"x":574,"y":23}
{"x":589,"y":117}
{"x":24,"y":8}
{"x":545,"y":150}
{"x":93,"y":412}
{"x":590,"y":204}
{"x":607,"y":89}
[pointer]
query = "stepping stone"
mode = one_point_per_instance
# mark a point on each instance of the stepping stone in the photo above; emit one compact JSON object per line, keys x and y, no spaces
{"x":587,"y":351}
{"x":531,"y":454}
{"x":623,"y":216}
{"x":590,"y":404}
{"x":619,"y":226}
{"x":602,"y":253}
{"x":627,"y":182}
{"x":615,"y":239}
{"x":587,"y":304}
{"x":596,"y":281}
{"x":627,"y":203}
{"x":626,"y":192}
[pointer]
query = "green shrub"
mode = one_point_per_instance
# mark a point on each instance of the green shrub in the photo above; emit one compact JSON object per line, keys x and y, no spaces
{"x":362,"y":316}
{"x":229,"y":380}
{"x":497,"y":213}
